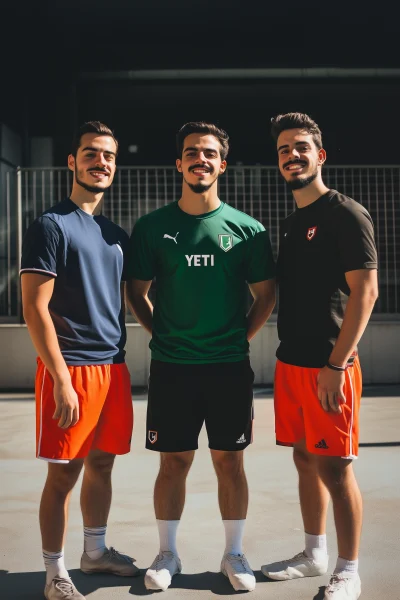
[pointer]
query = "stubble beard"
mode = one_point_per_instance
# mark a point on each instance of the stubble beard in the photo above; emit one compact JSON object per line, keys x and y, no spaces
{"x":200,"y":188}
{"x":90,"y":188}
{"x":301,"y":182}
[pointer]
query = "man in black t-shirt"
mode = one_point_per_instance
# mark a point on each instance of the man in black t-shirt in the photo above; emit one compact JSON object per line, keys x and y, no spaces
{"x":327,"y":252}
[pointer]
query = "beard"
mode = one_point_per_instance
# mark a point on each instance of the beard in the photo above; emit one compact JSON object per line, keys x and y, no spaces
{"x":200,"y":188}
{"x":90,"y":188}
{"x":301,"y":182}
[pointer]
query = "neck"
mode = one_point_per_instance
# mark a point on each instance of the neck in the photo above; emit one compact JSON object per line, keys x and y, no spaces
{"x":87,"y":201}
{"x":199,"y":204}
{"x":310,"y":194}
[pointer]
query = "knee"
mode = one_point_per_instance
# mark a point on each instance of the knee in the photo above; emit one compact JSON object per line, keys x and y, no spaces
{"x":228,"y":464}
{"x":99,"y":465}
{"x":175,"y":464}
{"x":303,"y":460}
{"x":335,"y":474}
{"x":62,"y":478}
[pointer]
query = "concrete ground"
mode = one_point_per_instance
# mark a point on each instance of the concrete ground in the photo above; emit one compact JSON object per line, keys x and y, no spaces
{"x":274,"y":527}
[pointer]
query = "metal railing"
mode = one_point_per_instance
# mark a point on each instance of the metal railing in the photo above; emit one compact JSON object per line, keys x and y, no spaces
{"x":258,"y":191}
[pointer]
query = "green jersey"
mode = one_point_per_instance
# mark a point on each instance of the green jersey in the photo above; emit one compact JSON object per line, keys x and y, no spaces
{"x":201,"y":264}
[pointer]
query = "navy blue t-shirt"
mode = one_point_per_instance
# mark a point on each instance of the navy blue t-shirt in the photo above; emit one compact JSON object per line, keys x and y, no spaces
{"x":85,"y":255}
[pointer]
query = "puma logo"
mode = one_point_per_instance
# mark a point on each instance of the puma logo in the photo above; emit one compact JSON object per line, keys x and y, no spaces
{"x":170,"y":237}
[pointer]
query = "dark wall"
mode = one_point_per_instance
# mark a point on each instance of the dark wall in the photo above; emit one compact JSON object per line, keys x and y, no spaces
{"x":358,"y":118}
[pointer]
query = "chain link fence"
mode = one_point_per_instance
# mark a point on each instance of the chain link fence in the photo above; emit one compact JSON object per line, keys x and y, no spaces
{"x":259,"y":191}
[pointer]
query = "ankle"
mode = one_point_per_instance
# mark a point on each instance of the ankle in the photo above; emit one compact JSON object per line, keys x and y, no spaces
{"x":54,"y":565}
{"x":346,"y":568}
{"x":315,"y":546}
{"x":94,"y":543}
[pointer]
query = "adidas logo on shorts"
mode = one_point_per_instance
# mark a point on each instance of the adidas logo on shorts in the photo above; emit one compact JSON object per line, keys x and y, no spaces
{"x":322,"y":445}
{"x":241,"y":440}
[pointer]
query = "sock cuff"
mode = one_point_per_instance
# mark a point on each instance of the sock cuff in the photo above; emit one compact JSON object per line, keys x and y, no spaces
{"x":168,"y":521}
{"x":233,"y":521}
{"x":95,"y":530}
{"x":53,"y":555}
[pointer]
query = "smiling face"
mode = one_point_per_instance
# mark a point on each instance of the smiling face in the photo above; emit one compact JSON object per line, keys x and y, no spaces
{"x":300,"y":161}
{"x":201,"y":162}
{"x":94,"y":164}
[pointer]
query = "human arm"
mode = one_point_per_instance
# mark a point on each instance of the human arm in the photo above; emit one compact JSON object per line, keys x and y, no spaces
{"x":363,"y":286}
{"x":263,"y":294}
{"x":139,"y":302}
{"x":37,"y":291}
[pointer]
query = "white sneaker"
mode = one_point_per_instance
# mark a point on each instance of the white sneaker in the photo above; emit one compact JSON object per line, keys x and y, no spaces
{"x":343,"y":588}
{"x":237,"y":569}
{"x":160,"y":574}
{"x":298,"y":566}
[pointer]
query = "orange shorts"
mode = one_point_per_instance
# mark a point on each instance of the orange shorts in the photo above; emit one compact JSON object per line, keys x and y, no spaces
{"x":105,"y":413}
{"x":299,"y":414}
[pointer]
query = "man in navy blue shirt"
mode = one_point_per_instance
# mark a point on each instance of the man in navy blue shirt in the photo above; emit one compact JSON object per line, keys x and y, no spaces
{"x":72,"y":277}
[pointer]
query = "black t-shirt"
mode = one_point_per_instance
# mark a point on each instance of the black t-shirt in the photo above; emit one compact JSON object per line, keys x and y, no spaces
{"x":318,"y":245}
{"x":85,"y":255}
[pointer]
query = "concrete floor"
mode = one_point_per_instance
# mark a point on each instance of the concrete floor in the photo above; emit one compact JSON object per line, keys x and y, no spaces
{"x":274,"y":527}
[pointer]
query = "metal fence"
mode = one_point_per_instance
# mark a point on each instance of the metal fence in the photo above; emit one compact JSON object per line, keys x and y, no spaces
{"x":258,"y":191}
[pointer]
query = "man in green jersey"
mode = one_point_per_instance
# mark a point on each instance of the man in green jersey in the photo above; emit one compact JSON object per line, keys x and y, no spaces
{"x":203,"y":254}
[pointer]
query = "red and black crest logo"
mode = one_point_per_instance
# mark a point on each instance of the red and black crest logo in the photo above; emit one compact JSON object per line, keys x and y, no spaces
{"x":153,"y":437}
{"x":311,"y":233}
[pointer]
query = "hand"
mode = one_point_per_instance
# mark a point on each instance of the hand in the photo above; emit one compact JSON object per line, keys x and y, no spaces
{"x":67,"y":405}
{"x":330,"y":389}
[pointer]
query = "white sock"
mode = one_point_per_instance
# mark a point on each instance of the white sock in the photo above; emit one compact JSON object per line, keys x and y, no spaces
{"x":315,"y":546}
{"x":95,"y":541}
{"x":167,"y":532}
{"x":347,"y":568}
{"x":234,"y":535}
{"x":55,"y":567}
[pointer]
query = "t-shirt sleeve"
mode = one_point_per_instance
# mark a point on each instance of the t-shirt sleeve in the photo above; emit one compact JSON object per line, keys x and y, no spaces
{"x":355,"y":239}
{"x":141,"y":262}
{"x":260,"y":260}
{"x":42,"y":248}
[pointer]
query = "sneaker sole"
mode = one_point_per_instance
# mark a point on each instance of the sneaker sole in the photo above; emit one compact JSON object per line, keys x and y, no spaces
{"x":99,"y":572}
{"x":240,"y":587}
{"x":288,"y":576}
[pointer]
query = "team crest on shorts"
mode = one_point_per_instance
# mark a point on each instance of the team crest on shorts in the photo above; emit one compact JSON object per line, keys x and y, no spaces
{"x":311,"y":232}
{"x":152,"y":435}
{"x":225,"y":241}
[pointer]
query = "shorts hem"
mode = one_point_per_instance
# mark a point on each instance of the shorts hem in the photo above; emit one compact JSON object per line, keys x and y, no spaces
{"x":61,"y":461}
{"x":171,"y":451}
{"x":235,"y":449}
{"x":288,"y":444}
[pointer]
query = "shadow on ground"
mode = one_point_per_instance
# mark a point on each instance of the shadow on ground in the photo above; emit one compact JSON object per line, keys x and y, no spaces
{"x":29,"y":586}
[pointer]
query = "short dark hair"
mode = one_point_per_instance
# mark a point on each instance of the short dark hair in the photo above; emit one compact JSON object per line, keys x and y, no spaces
{"x":296,"y":121}
{"x":90,"y":127}
{"x":208,"y":129}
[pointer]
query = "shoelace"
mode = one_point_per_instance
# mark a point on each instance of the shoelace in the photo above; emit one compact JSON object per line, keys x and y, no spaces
{"x":162,"y":561}
{"x":119,"y":555}
{"x":65,"y":586}
{"x":336,"y":582}
{"x":296,"y":557}
{"x":239,"y":562}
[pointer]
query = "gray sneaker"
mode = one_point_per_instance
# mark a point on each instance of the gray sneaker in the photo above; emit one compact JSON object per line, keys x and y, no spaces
{"x":62,"y":589}
{"x":112,"y":561}
{"x":298,"y":566}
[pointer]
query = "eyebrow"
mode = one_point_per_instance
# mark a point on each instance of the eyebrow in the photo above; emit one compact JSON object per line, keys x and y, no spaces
{"x":296,"y":144}
{"x":191,"y":149}
{"x":98,"y":150}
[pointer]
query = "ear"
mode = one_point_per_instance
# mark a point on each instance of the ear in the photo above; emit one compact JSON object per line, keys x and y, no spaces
{"x":71,"y":162}
{"x":179,"y":165}
{"x":222,"y":167}
{"x":321,"y":157}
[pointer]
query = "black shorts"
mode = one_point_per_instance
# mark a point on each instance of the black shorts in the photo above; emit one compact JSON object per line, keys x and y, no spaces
{"x":183,"y":397}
